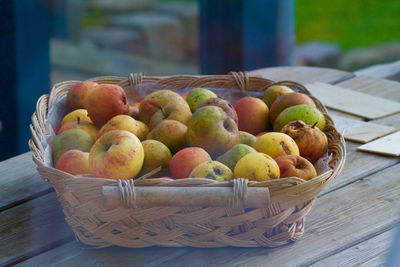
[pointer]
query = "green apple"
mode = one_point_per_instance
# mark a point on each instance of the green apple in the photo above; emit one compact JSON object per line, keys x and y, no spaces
{"x":198,"y":95}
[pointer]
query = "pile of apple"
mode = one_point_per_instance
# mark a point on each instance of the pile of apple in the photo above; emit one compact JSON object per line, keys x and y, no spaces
{"x":193,"y":135}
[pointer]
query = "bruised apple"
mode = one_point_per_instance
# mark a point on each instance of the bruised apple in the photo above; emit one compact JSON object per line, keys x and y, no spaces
{"x":185,"y":160}
{"x":105,"y":101}
{"x":117,"y":154}
{"x":212,"y":129}
{"x":312,"y":142}
{"x":296,"y":166}
{"x":213,"y":170}
{"x":276,"y":144}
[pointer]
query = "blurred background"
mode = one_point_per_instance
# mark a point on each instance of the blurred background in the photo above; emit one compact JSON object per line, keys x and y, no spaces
{"x":48,"y":41}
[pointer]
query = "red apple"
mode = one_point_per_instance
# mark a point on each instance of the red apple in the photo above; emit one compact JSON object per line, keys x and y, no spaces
{"x":105,"y":101}
{"x":185,"y":160}
{"x":252,"y":115}
{"x":295,"y":166}
{"x":74,"y":162}
{"x":76,"y":96}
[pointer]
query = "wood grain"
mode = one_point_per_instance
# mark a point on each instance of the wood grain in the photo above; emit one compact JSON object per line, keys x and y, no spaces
{"x":363,"y":253}
{"x":75,"y":254}
{"x":20,"y":181}
{"x":387,"y":145}
{"x":374,"y":86}
{"x":360,"y":131}
{"x":337,"y":221}
{"x":303,"y":74}
{"x":388,"y":71}
{"x":353,"y":102}
{"x":31,"y":227}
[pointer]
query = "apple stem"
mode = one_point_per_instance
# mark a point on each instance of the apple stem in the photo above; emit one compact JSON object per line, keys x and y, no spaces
{"x":314,"y":124}
{"x":78,"y":119}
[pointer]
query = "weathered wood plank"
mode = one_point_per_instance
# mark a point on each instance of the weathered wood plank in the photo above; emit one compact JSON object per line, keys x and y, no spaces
{"x":337,"y":221}
{"x":20,"y":181}
{"x":28,"y":229}
{"x":353,"y":102}
{"x":365,"y":252}
{"x":74,"y":254}
{"x":387,"y":71}
{"x":360,"y":131}
{"x":358,"y":165}
{"x":303,"y":74}
{"x":374,"y":86}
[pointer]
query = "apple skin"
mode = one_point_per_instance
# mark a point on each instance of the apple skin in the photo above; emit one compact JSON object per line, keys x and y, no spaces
{"x":296,"y":166}
{"x":273,"y":92}
{"x":247,"y":138}
{"x":252,"y":115}
{"x":312,"y":142}
{"x":117,"y":154}
{"x":213,"y":170}
{"x":288,"y":100}
{"x":184,"y":95}
{"x":198,"y":95}
{"x":185,"y":160}
{"x":155,"y":154}
{"x":74,"y":162}
{"x":127,"y":123}
{"x":105,"y":101}
{"x":276,"y":144}
{"x":86,"y":126}
{"x":222,"y":103}
{"x":73,"y":116}
{"x":158,"y":100}
{"x":171,"y":133}
{"x":256,"y":167}
{"x":306,"y":113}
{"x":212,"y":129}
{"x":76,"y":96}
{"x":233,"y":155}
{"x":171,"y":112}
{"x":70,"y":139}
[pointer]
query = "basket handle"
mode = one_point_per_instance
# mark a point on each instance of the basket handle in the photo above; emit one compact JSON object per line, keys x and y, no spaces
{"x":237,"y":196}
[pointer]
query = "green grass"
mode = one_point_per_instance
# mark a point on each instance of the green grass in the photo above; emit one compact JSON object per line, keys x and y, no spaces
{"x":349,"y":23}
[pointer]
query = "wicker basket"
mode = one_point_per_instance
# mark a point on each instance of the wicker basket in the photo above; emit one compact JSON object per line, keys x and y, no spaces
{"x":104,"y":212}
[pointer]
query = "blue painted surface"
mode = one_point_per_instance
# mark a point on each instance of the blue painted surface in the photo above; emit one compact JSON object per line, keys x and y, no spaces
{"x":245,"y":35}
{"x":25,"y":66}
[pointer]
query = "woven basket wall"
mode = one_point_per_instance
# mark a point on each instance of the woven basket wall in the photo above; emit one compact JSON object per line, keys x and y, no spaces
{"x":279,"y":222}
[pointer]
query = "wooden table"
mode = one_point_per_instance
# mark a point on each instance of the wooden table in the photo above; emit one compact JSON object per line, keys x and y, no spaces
{"x":352,"y":222}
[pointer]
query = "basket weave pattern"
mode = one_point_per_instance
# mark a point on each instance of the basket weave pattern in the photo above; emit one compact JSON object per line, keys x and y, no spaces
{"x":279,"y":222}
